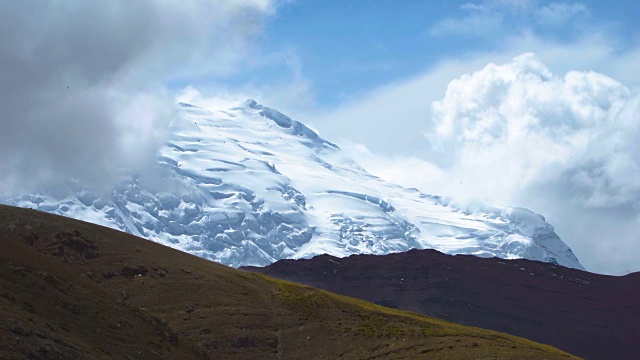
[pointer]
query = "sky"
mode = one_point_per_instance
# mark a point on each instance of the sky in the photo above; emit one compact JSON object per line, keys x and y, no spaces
{"x":513,"y":102}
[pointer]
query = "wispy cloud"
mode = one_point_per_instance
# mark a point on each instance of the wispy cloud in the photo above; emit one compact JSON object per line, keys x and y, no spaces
{"x":557,"y":14}
{"x":498,"y":17}
{"x":479,"y":20}
{"x":292,"y":90}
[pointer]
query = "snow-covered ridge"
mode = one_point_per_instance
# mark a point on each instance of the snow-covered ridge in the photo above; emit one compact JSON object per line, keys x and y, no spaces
{"x":249,"y":186}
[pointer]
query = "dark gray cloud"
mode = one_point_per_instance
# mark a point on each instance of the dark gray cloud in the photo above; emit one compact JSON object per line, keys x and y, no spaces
{"x":82,"y":82}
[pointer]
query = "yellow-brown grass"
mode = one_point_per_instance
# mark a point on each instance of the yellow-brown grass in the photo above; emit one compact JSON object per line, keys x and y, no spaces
{"x":76,"y":290}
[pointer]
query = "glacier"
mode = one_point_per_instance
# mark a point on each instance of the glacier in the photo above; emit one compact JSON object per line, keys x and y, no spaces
{"x":250,"y":186}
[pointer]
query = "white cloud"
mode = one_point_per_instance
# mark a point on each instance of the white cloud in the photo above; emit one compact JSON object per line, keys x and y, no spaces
{"x":391,"y":119}
{"x":511,"y":4}
{"x":517,"y":124}
{"x":566,"y":145}
{"x":496,"y":17}
{"x":221,"y":100}
{"x":409,"y":171}
{"x":292,"y":92}
{"x":556,"y":14}
{"x":479,"y":19}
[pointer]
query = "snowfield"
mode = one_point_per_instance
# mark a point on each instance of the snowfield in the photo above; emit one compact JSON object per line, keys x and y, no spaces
{"x":250,"y":186}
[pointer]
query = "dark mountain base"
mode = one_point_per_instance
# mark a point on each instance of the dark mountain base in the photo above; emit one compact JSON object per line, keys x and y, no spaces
{"x":594,"y":316}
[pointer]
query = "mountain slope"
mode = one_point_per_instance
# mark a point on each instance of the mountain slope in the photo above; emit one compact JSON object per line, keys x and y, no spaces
{"x":74,"y":290}
{"x":249,"y":186}
{"x":590,"y":315}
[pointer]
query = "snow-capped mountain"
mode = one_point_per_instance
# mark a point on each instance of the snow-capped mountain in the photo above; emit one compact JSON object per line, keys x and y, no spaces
{"x":249,"y":186}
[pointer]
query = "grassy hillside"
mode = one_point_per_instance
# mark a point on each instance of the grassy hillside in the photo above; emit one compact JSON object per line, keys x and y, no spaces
{"x":72,"y":290}
{"x":586,"y":314}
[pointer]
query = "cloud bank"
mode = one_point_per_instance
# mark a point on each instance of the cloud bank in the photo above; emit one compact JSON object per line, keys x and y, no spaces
{"x":567,"y":146}
{"x":579,"y":129}
{"x":82,"y":85}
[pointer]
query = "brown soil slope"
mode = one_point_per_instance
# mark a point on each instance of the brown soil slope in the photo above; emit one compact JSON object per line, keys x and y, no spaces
{"x":72,"y":290}
{"x":590,"y":315}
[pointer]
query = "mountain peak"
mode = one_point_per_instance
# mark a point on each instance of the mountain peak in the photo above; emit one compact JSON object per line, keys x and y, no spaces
{"x":250,"y":185}
{"x":248,"y":104}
